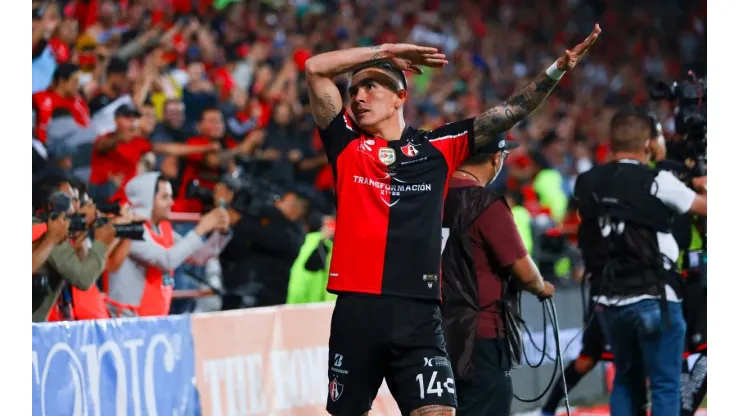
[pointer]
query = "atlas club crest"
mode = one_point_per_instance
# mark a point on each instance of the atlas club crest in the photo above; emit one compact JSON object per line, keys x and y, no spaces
{"x":410,"y":150}
{"x":335,"y":390}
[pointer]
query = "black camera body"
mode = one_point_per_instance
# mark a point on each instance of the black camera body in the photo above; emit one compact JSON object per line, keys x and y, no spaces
{"x":690,"y":98}
{"x":60,"y":203}
{"x":251,"y":194}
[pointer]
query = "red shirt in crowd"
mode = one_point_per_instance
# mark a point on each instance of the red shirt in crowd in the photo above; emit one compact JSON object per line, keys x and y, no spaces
{"x":193,"y":170}
{"x":48,"y":104}
{"x":122,"y":160}
{"x":496,"y":244}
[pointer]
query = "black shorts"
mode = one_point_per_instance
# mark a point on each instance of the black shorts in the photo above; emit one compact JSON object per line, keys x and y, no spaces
{"x":594,"y":345}
{"x":401,"y":340}
{"x":695,"y":313}
{"x":490,"y":392}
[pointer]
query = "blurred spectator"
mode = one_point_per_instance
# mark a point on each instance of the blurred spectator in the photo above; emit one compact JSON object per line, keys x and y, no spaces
{"x":116,"y":84}
{"x":548,"y":183}
{"x":144,"y":280}
{"x":62,"y":98}
{"x":116,"y":155}
{"x":310,"y":271}
{"x":45,"y":21}
{"x":172,"y":127}
{"x":257,"y":263}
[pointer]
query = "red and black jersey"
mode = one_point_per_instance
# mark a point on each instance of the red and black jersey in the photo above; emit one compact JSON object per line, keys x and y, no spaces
{"x":390,"y":197}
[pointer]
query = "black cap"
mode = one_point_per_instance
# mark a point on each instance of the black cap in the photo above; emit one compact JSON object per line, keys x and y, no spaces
{"x":126,"y":110}
{"x":496,"y":146}
{"x":60,"y":149}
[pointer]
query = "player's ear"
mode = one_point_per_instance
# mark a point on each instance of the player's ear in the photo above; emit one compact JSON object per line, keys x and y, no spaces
{"x":401,"y":96}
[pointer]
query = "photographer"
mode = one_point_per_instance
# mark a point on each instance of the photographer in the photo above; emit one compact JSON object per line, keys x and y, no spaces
{"x":256,"y":264}
{"x":627,"y":210}
{"x":143,"y":285}
{"x":46,"y":237}
{"x":63,"y":266}
{"x":687,"y":233}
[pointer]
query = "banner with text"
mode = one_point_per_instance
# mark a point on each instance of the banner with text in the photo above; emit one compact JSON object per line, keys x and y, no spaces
{"x":268,"y":361}
{"x":114,"y":367}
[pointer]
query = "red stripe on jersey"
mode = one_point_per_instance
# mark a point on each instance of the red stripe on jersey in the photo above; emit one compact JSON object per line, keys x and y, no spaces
{"x":362,"y":217}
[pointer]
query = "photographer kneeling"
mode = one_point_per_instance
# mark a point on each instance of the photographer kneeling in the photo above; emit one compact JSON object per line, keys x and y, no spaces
{"x":256,"y":264}
{"x":144,"y":284}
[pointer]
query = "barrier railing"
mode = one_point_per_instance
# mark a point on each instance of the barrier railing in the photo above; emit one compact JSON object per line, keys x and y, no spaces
{"x":263,"y":361}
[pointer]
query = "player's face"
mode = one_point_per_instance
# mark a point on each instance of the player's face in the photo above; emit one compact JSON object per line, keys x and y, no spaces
{"x":374,"y":98}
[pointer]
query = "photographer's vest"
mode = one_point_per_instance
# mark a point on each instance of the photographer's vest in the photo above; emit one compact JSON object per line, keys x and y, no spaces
{"x":460,"y":306}
{"x":621,"y":217}
{"x":306,"y":286}
{"x":158,"y":287}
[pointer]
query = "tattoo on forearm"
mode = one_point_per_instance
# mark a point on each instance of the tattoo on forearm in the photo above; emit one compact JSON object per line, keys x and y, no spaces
{"x":327,"y":108}
{"x":515,"y":109}
{"x":433,"y":410}
{"x":377,"y":55}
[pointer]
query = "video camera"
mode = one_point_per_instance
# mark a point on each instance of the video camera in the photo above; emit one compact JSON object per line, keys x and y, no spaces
{"x":690,"y":100}
{"x":251,"y":194}
{"x":60,"y":203}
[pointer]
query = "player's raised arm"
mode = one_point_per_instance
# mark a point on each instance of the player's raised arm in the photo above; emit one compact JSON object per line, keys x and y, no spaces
{"x":324,"y":96}
{"x":526,"y":99}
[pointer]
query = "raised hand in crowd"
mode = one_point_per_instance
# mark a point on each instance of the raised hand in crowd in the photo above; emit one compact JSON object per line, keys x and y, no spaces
{"x":216,"y":219}
{"x":252,"y":142}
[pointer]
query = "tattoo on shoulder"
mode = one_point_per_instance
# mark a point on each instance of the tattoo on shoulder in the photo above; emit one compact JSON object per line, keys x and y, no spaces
{"x":515,"y":109}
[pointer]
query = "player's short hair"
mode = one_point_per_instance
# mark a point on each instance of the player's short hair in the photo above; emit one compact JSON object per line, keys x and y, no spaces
{"x":386,"y":67}
{"x":629,"y":131}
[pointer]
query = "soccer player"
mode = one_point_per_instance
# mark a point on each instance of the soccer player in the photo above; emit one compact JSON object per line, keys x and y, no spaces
{"x":390,"y":182}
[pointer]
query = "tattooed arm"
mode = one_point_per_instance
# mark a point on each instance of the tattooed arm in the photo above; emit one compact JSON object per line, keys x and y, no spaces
{"x":324,"y":96}
{"x":523,"y":102}
{"x":516,"y":108}
{"x":325,"y":99}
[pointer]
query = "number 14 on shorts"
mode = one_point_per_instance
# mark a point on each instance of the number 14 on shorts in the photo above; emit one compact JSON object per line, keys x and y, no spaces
{"x":434,"y":386}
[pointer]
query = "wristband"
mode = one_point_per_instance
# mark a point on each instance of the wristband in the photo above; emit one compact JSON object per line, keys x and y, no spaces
{"x":554,"y":73}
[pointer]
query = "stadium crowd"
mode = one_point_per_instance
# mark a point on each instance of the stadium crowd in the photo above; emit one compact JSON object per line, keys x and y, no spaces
{"x":211,"y":95}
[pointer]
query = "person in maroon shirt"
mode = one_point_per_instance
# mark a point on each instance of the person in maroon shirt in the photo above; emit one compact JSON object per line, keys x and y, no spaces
{"x":479,"y":226}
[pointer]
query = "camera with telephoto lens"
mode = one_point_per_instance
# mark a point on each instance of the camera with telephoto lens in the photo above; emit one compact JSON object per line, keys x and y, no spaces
{"x":131,"y":231}
{"x":60,"y":203}
{"x":690,"y":100}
